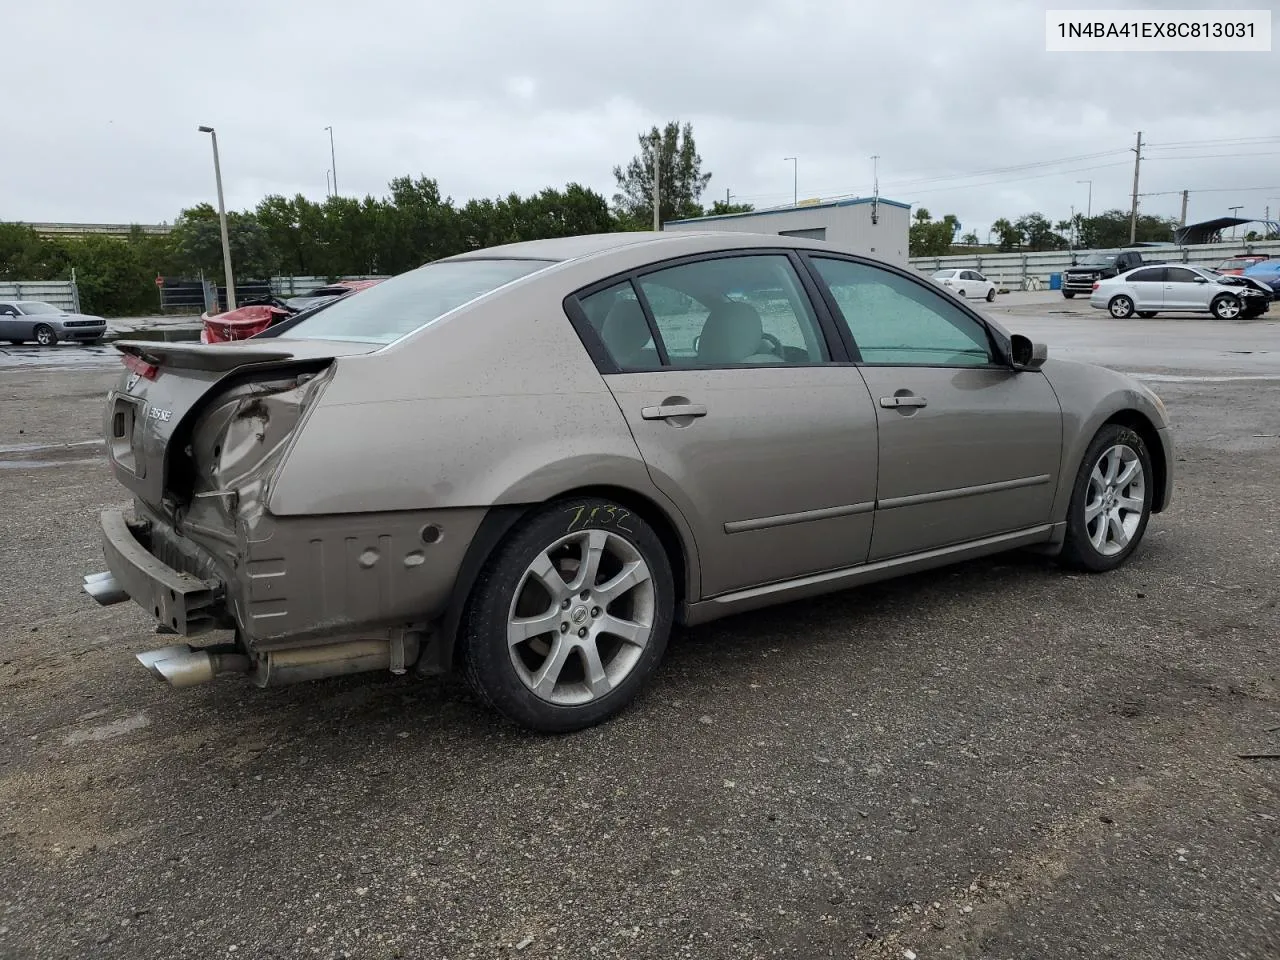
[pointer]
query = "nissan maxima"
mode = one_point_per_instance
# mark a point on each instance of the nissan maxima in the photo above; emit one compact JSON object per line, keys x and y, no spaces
{"x":528,"y":463}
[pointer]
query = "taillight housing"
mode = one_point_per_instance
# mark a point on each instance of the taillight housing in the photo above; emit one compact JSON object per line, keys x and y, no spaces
{"x":1096,"y":284}
{"x":147,"y":371}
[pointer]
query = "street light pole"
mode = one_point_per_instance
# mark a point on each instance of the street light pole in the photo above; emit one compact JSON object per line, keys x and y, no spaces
{"x":1233,"y":226}
{"x":222,"y":222}
{"x":333,"y":161}
{"x":1089,"y":207}
{"x":795,"y":180}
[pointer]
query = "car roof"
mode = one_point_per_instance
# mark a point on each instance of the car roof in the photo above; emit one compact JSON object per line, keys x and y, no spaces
{"x":665,"y":244}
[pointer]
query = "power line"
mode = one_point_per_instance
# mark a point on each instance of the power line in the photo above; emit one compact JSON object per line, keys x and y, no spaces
{"x":1180,"y":144}
{"x":1168,"y":193}
{"x":1221,"y":156}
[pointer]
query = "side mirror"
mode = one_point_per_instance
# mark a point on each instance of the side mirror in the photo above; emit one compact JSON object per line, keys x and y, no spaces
{"x":1025,"y":354}
{"x":1202,"y":280}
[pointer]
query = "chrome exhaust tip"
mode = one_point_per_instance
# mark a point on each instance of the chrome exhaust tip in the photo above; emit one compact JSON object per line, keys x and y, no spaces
{"x":104,"y":588}
{"x":180,"y":665}
{"x":150,"y":658}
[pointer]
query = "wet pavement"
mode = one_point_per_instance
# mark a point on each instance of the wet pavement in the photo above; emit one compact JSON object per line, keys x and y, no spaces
{"x":994,"y":760}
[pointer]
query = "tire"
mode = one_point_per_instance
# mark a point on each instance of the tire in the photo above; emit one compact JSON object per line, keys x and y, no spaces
{"x":961,"y":294}
{"x":1146,"y":314}
{"x":1098,"y":543}
{"x":991,"y":295}
{"x":1120,"y":307}
{"x":45,"y":335}
{"x":1226,"y":307}
{"x":1069,"y":294}
{"x":512,"y":589}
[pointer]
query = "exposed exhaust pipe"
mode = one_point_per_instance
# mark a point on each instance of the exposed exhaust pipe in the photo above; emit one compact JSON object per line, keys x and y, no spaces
{"x":183,"y":666}
{"x":104,"y":588}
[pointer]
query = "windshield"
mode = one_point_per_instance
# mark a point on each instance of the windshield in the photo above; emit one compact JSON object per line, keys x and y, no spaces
{"x":403,"y":304}
{"x":31,"y":307}
{"x":1099,"y":260}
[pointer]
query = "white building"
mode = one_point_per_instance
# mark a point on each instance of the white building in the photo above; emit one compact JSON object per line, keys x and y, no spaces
{"x":875,"y":227}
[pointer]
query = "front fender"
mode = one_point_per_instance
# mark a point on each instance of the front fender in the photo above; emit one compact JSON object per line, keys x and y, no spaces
{"x":1091,"y":396}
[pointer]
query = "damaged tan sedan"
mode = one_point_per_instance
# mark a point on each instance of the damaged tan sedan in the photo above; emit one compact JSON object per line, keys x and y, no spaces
{"x":529,"y":462}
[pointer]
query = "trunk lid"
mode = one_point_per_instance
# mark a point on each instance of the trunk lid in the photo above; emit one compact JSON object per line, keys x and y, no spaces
{"x":165,"y":387}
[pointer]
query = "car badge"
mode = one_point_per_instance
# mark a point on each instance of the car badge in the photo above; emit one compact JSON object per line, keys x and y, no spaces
{"x":133,"y":381}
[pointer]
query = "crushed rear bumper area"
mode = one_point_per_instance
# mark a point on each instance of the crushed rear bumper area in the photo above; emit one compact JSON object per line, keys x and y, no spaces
{"x":180,"y":602}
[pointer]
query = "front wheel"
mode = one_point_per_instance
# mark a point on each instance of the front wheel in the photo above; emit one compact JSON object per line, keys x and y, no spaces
{"x":1069,"y":294}
{"x":45,"y":335}
{"x":1226,"y":307}
{"x":1110,"y":502}
{"x":991,"y":295}
{"x":570,"y":617}
{"x":1120,"y":307}
{"x":962,"y":293}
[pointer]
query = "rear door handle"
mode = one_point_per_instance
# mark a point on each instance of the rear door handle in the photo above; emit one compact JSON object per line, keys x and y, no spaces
{"x":903,"y":402}
{"x":667,"y":410}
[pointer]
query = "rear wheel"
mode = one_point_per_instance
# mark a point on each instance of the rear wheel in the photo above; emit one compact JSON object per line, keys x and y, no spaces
{"x":1120,"y":307}
{"x":570,"y":617}
{"x":962,"y":293}
{"x":1146,"y":314}
{"x":45,"y":335}
{"x":1226,"y":307}
{"x":1110,"y":502}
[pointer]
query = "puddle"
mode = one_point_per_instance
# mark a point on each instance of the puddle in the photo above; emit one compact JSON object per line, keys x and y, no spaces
{"x":168,"y":334}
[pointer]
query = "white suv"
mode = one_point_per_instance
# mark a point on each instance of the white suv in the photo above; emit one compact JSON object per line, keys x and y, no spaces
{"x":1147,"y":291}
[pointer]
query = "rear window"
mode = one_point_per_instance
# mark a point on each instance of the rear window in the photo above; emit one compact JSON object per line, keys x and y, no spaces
{"x":403,"y":304}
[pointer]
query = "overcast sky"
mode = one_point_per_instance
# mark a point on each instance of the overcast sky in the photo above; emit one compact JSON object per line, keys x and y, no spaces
{"x":101,"y":102}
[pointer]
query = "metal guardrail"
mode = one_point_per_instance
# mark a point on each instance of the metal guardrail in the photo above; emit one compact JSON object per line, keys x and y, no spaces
{"x":59,"y":293}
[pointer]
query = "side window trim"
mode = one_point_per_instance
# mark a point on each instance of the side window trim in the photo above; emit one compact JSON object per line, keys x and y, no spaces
{"x":660,"y":344}
{"x":997,"y":360}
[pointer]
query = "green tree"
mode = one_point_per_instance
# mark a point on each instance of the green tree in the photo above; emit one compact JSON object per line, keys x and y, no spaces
{"x":681,"y":180}
{"x":970,"y":239}
{"x":1037,"y":232}
{"x":930,"y":238}
{"x":198,"y":236}
{"x":1111,"y":229}
{"x":723,"y":208}
{"x":1008,"y":235}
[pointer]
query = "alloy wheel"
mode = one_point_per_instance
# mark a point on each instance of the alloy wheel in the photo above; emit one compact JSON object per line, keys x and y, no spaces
{"x":1113,"y":505}
{"x":581,"y":617}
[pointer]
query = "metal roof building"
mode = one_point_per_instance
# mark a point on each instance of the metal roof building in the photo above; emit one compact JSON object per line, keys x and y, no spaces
{"x":868,"y":225}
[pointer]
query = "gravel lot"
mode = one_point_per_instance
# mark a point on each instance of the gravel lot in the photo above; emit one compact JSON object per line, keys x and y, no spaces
{"x":994,"y":760}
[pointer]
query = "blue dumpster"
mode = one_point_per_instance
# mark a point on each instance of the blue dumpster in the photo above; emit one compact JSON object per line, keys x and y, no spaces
{"x":1055,"y":281}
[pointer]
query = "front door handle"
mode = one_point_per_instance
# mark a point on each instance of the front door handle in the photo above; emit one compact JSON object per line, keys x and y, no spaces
{"x":668,"y":410}
{"x":903,"y":402}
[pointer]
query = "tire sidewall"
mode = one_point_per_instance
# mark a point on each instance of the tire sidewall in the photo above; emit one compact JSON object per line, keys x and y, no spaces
{"x":485,"y":654}
{"x":1078,"y":547}
{"x":1226,"y":298}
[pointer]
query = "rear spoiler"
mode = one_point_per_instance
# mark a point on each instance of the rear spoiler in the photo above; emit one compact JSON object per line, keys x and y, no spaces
{"x":225,"y":357}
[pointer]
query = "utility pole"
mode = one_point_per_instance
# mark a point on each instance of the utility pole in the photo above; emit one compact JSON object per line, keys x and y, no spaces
{"x":795,"y":180}
{"x":333,"y":161}
{"x":327,"y":189}
{"x":1184,"y":207}
{"x":657,"y":188}
{"x":1133,"y":213}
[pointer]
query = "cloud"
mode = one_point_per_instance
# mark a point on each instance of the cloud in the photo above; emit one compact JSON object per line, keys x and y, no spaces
{"x":493,"y":96}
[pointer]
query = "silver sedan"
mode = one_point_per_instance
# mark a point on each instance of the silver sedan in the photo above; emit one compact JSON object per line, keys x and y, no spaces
{"x":1149,"y":290}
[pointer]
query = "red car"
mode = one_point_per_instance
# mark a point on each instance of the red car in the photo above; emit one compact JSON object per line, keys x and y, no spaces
{"x":251,"y":319}
{"x":1234,"y":266}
